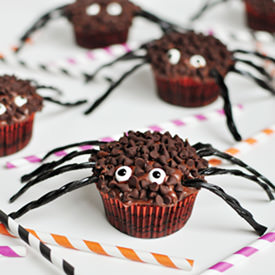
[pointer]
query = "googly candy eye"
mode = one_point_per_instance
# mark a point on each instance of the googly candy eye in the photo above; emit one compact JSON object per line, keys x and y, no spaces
{"x":3,"y":109}
{"x":174,"y":56}
{"x":20,"y":101}
{"x":157,"y":175}
{"x":123,"y":173}
{"x":114,"y":9}
{"x":197,"y":61}
{"x":93,"y":9}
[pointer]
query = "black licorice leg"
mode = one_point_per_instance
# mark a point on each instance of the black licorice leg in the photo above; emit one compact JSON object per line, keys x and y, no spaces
{"x":212,"y":171}
{"x":40,"y":87}
{"x":50,"y":174}
{"x":66,"y":104}
{"x":260,"y":69}
{"x":51,"y":165}
{"x":50,"y":196}
{"x":255,"y":53}
{"x":259,"y":81}
{"x":208,"y":5}
{"x":112,"y":87}
{"x":260,"y":229}
{"x":40,"y":23}
{"x":83,"y":143}
{"x":227,"y":104}
{"x":206,"y":150}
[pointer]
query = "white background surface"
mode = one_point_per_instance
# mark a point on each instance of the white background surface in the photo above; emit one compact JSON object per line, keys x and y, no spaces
{"x":214,"y":231}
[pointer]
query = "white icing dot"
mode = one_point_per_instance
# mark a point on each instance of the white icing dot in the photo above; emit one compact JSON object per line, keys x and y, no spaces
{"x":114,"y":9}
{"x":93,"y":9}
{"x":20,"y":101}
{"x":3,"y":109}
{"x":174,"y":56}
{"x":197,"y":61}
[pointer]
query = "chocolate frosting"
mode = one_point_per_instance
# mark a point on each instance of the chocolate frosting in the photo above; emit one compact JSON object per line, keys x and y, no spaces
{"x":13,"y":90}
{"x":262,"y":6}
{"x":189,"y":44}
{"x":143,"y":152}
{"x":102,"y":22}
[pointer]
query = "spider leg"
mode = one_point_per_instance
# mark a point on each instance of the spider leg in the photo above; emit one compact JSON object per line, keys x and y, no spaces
{"x":255,"y":53}
{"x":40,"y":23}
{"x":50,"y":174}
{"x":204,"y":150}
{"x":227,"y":104}
{"x":52,"y":195}
{"x":51,"y":165}
{"x":218,"y":171}
{"x":260,"y":69}
{"x":260,"y":82}
{"x":39,"y":87}
{"x":66,"y":104}
{"x":113,"y":86}
{"x":245,"y":214}
{"x":208,"y":5}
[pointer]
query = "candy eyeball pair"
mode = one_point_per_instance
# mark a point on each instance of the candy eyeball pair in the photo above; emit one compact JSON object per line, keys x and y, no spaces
{"x":124,"y":173}
{"x":197,"y":61}
{"x":113,"y":9}
{"x":19,"y":102}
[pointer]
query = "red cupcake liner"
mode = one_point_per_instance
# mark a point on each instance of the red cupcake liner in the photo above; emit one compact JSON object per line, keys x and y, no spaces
{"x":16,"y":136}
{"x":186,"y":91}
{"x":260,"y":21}
{"x":100,"y":40}
{"x":148,"y":221}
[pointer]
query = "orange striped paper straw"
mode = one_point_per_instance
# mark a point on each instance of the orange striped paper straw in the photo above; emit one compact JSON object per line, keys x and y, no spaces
{"x":247,"y":144}
{"x":109,"y":250}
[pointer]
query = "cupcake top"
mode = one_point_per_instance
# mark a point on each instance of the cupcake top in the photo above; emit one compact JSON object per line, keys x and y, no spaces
{"x":18,"y":99}
{"x":147,"y":168}
{"x":189,"y":54}
{"x":101,"y":16}
{"x":263,"y":6}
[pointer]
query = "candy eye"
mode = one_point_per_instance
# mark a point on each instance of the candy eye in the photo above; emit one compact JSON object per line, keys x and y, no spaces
{"x":93,"y":9}
{"x":3,"y":109}
{"x":123,"y":173}
{"x":197,"y":61}
{"x":20,"y":101}
{"x":114,"y":9}
{"x":157,"y":175}
{"x":174,"y":56}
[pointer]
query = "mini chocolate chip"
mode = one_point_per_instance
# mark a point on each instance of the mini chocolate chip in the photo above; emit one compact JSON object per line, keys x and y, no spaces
{"x":167,"y":199}
{"x":164,"y":189}
{"x":168,"y":170}
{"x":140,"y":162}
{"x":115,"y":152}
{"x":162,"y":159}
{"x":154,"y":154}
{"x":131,"y":152}
{"x":139,"y":171}
{"x":180,"y":195}
{"x":145,"y":184}
{"x":159,"y":200}
{"x":154,"y":187}
{"x":179,"y":188}
{"x":110,"y":170}
{"x":172,"y":163}
{"x":152,"y":194}
{"x":124,"y":187}
{"x":133,"y":181}
{"x":134,"y":194}
{"x":172,"y":180}
{"x":102,"y":154}
{"x":142,"y":194}
{"x":112,"y":184}
{"x":148,"y":168}
{"x":190,"y":163}
{"x":128,"y":161}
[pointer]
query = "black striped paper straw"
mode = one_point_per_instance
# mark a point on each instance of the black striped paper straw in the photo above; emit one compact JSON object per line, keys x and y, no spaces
{"x":20,"y":232}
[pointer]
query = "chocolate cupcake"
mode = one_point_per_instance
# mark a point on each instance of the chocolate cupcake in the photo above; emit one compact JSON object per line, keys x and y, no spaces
{"x":260,"y":15}
{"x":182,"y":63}
{"x":100,"y":23}
{"x":141,"y":182}
{"x":18,"y":104}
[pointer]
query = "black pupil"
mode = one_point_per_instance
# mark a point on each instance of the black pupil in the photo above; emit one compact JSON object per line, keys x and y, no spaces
{"x":122,"y":172}
{"x":156,"y":174}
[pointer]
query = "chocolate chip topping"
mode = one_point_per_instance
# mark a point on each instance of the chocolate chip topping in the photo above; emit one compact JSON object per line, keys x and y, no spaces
{"x":101,"y":22}
{"x":143,"y":152}
{"x":15,"y":92}
{"x":189,"y":44}
{"x":263,"y":6}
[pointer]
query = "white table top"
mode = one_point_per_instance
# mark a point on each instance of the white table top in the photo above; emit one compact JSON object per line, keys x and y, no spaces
{"x":214,"y":231}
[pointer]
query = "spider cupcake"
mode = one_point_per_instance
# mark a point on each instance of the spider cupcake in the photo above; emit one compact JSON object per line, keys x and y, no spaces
{"x":189,"y":70}
{"x":19,"y":102}
{"x":148,"y":181}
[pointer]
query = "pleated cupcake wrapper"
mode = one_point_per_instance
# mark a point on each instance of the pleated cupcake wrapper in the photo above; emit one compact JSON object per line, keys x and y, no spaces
{"x":186,"y":92}
{"x":16,"y":136}
{"x":260,"y":21}
{"x":86,"y":40}
{"x":148,"y":221}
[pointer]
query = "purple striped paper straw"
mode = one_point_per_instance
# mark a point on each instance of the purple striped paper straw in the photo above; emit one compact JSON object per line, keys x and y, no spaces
{"x":12,"y":251}
{"x":241,"y":255}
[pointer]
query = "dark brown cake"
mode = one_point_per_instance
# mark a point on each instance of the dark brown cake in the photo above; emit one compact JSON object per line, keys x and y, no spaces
{"x":261,"y":15}
{"x":18,"y":104}
{"x":182,"y":62}
{"x":141,"y":180}
{"x":100,"y":23}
